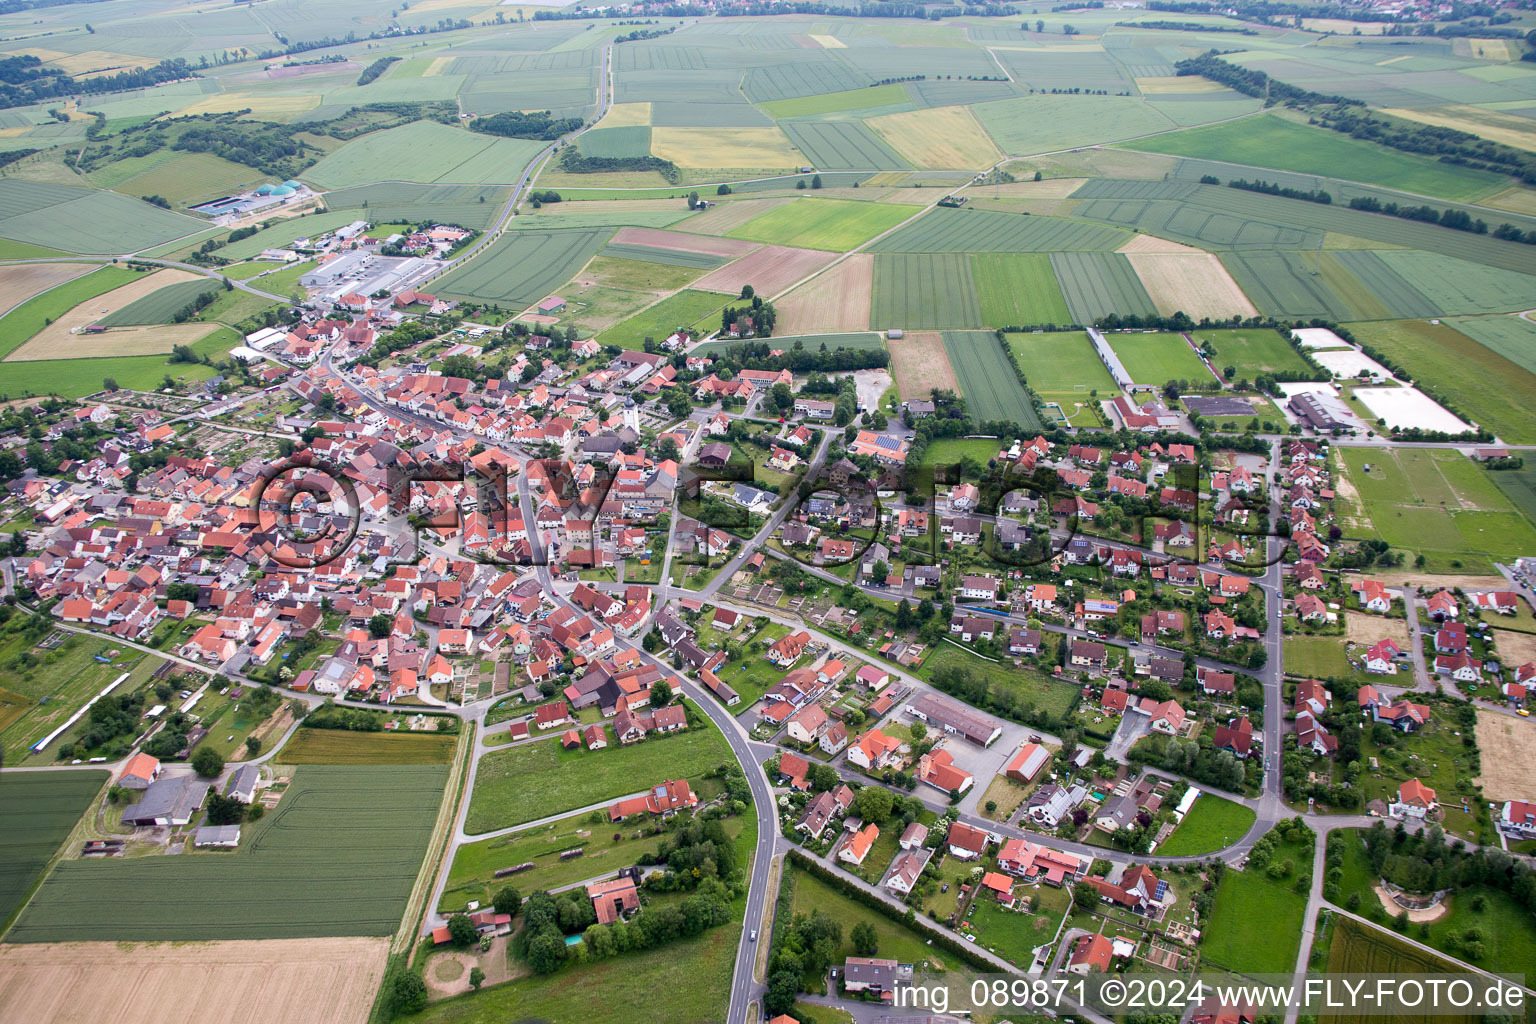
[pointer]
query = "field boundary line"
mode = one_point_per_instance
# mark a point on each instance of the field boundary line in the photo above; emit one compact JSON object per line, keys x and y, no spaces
{"x":441,"y":846}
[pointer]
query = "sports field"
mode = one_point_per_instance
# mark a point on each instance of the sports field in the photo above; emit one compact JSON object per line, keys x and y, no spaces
{"x":337,"y":746}
{"x":1018,"y":289}
{"x":991,"y":388}
{"x":535,"y":780}
{"x":1482,"y":383}
{"x":522,"y":267}
{"x":1273,"y":141}
{"x":1157,"y":358}
{"x":1252,"y":352}
{"x":921,"y":291}
{"x":324,"y":862}
{"x":1061,"y":366}
{"x":37,"y":811}
{"x":836,"y":225}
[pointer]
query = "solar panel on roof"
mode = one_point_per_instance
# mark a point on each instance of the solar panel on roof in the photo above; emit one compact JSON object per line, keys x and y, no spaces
{"x":1162,"y":887}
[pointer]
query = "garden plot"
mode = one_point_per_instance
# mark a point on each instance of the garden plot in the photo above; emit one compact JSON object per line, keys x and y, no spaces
{"x":769,"y":270}
{"x":836,"y":301}
{"x":1409,"y":407}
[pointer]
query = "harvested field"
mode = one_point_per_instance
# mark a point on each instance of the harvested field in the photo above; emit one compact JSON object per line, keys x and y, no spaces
{"x":297,"y":981}
{"x":938,"y":138}
{"x":1048,"y":188}
{"x":920,"y":363}
{"x":1362,"y":628}
{"x":837,"y":301}
{"x":56,"y":340}
{"x":19,"y":283}
{"x":1515,"y":648}
{"x":729,"y":216}
{"x":626,"y":115}
{"x":1177,"y":85}
{"x":657,"y":238}
{"x":1196,"y":283}
{"x":1508,"y":748}
{"x":769,"y":270}
{"x":1152,"y":244}
{"x":725,"y":147}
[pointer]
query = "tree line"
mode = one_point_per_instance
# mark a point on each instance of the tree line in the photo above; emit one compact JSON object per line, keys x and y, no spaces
{"x":25,"y":79}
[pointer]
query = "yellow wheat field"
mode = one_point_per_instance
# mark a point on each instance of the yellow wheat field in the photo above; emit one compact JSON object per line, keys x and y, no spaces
{"x":948,"y":138}
{"x":1196,"y":283}
{"x":1177,"y":84}
{"x":626,"y":115}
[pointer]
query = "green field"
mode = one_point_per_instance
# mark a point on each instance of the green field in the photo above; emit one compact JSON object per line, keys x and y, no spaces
{"x":522,"y":267}
{"x":631,"y":141}
{"x":424,"y":151}
{"x":834,"y":102}
{"x":183,"y":178}
{"x":974,"y":230}
{"x":1512,"y":337}
{"x":843,"y":146}
{"x":812,"y":894}
{"x":1022,"y":687}
{"x":33,"y":315}
{"x":666,"y":257}
{"x":1018,"y":290}
{"x":539,"y":779}
{"x":1270,"y":141}
{"x":1097,"y":284}
{"x":1042,"y":123}
{"x":282,"y":232}
{"x":991,"y":388}
{"x":836,"y":225}
{"x":1014,"y":936}
{"x":161,"y":304}
{"x":1252,"y":351}
{"x":923,"y":292}
{"x":81,"y":220}
{"x":1213,"y":823}
{"x":336,"y":746}
{"x":1519,"y":486}
{"x":1438,"y":503}
{"x":324,"y":862}
{"x":687,"y":308}
{"x":1157,"y":358}
{"x":472,"y":206}
{"x":1455,"y":286}
{"x":1316,"y":657}
{"x":1256,"y":926}
{"x":1360,"y":950}
{"x":75,"y":378}
{"x":37,"y":812}
{"x":1483,"y":384}
{"x":1062,"y":364}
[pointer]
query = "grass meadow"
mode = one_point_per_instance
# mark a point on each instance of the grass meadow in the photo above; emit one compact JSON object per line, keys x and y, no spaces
{"x":1212,"y":823}
{"x":836,"y":225}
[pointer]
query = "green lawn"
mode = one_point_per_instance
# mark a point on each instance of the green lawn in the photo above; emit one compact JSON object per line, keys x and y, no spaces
{"x":1316,"y":657}
{"x":539,"y":779}
{"x":1256,"y":926}
{"x":1252,"y":352}
{"x":1026,"y":686}
{"x":1211,"y":824}
{"x":1157,"y":358}
{"x":1013,"y":935}
{"x":1271,"y":141}
{"x":836,"y":225}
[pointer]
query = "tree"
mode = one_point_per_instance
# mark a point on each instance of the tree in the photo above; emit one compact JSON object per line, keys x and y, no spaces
{"x":865,"y":941}
{"x":476,"y":978}
{"x":652,"y":642}
{"x":677,"y":402}
{"x":783,"y":986}
{"x":661,"y":693}
{"x":1085,"y":896}
{"x":666,"y":448}
{"x":408,"y":993}
{"x":207,"y":762}
{"x":919,"y":731}
{"x":816,"y":181}
{"x":546,"y":951}
{"x":693,"y":200}
{"x":379,"y":626}
{"x":723,"y":190}
{"x":252,"y":746}
{"x":461,"y":930}
{"x":874,"y":803}
{"x":783,"y":396}
{"x":507,"y":900}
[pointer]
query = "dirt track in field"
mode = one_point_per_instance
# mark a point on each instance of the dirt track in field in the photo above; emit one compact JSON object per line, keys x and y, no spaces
{"x":294,"y":981}
{"x":1508,"y":748}
{"x":835,"y":302}
{"x":920,"y":364}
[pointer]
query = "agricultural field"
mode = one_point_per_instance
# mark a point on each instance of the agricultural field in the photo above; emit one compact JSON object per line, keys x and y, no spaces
{"x":80,"y":220}
{"x":991,"y":388}
{"x":837,"y":102}
{"x":920,"y":363}
{"x":533,"y":780}
{"x":1512,"y":337}
{"x":283,"y":875}
{"x":1042,"y":123}
{"x":975,"y":230}
{"x":1018,"y":289}
{"x":59,"y":338}
{"x":182,"y":178}
{"x":669,"y":257}
{"x":336,"y":746}
{"x":1157,"y":358}
{"x":843,"y":146}
{"x":854,"y":340}
{"x":1195,"y":284}
{"x":20,"y":282}
{"x":37,"y":812}
{"x":1483,"y":385}
{"x":1252,"y":352}
{"x":938,"y":138}
{"x":158,"y":306}
{"x":1437,"y":503}
{"x":424,"y":151}
{"x":769,"y":270}
{"x":522,"y":267}
{"x":473,"y":206}
{"x":763,"y":148}
{"x":832,"y":224}
{"x":297,"y":981}
{"x":1358,"y":949}
{"x":688,"y":308}
{"x":1272,"y":141}
{"x":1212,"y":824}
{"x":835,"y":301}
{"x":1098,"y":284}
{"x":922,"y":291}
{"x":28,"y":318}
